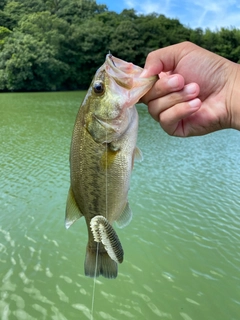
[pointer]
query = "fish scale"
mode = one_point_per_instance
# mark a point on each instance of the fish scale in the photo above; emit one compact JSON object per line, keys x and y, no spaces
{"x":101,"y":158}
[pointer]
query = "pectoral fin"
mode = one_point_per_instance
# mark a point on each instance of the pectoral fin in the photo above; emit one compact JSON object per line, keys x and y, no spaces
{"x":72,"y":211}
{"x":125,"y":217}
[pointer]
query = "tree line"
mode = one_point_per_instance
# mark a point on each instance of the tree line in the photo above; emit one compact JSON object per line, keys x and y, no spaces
{"x":50,"y":45}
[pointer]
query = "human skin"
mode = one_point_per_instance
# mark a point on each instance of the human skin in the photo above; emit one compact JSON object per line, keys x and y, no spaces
{"x":198,"y":92}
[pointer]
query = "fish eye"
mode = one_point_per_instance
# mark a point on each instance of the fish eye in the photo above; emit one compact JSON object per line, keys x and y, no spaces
{"x":98,"y":87}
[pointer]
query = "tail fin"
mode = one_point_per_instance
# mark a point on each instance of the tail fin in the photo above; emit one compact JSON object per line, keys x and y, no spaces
{"x":105,"y":265}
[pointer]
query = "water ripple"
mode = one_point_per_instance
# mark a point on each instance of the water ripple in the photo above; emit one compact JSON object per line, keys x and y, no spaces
{"x":182,"y":252}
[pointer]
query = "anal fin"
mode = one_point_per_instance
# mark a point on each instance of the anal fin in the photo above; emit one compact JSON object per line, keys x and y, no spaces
{"x":138,"y":156}
{"x":125,"y":217}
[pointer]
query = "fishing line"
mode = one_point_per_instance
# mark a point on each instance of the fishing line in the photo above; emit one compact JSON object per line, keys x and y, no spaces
{"x":106,"y":189}
{"x":106,"y":161}
{"x":94,"y":282}
{"x":97,"y":251}
{"x":106,"y":164}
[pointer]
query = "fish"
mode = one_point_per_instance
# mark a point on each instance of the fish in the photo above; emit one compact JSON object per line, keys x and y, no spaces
{"x":102,"y":152}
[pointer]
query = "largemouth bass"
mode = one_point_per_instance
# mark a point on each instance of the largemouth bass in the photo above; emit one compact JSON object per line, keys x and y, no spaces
{"x":102,"y":153}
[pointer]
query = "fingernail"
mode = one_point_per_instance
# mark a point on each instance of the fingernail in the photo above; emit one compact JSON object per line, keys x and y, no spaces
{"x":190,"y":88}
{"x":194,"y":103}
{"x":173,"y":82}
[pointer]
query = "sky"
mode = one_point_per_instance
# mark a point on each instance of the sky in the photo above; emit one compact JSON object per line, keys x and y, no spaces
{"x":212,"y":14}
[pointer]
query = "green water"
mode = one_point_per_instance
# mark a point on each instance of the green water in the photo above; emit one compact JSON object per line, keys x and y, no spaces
{"x":182,"y":248}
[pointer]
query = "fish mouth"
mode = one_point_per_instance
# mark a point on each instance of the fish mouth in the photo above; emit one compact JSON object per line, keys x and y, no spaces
{"x":128,"y":76}
{"x":121,"y":66}
{"x":124,"y":73}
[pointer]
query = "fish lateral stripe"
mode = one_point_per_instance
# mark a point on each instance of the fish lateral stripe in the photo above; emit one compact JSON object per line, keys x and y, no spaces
{"x":103,"y":232}
{"x":103,"y":148}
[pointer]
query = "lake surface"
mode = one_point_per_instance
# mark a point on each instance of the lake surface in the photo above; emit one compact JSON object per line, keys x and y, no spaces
{"x":182,"y":248}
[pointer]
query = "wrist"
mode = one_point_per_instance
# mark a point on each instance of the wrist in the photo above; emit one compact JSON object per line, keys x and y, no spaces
{"x":234,"y":99}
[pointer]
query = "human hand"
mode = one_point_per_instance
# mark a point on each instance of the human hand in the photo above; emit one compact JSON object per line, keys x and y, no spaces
{"x":197,"y":92}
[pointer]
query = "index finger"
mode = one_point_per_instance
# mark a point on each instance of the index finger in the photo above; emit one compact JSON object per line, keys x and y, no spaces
{"x":165,"y":59}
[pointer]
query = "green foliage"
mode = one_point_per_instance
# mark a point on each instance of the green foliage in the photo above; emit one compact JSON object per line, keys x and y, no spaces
{"x":86,"y":48}
{"x":196,"y":36}
{"x":126,"y":47}
{"x":4,"y":32}
{"x":75,"y":11}
{"x":44,"y":27}
{"x":29,"y":64}
{"x":2,"y":4}
{"x":228,"y":44}
{"x":59,"y":44}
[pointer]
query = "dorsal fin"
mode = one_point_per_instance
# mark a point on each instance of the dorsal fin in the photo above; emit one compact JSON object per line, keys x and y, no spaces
{"x":72,"y":211}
